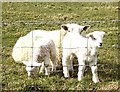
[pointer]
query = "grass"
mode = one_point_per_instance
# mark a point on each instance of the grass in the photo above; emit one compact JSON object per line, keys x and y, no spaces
{"x":20,"y":18}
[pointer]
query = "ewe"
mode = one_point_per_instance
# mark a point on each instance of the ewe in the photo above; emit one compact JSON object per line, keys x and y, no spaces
{"x":85,"y":49}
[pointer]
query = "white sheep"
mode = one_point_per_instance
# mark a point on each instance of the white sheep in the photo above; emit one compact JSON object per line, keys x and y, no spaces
{"x":85,"y":49}
{"x":22,"y":51}
{"x":43,"y":53}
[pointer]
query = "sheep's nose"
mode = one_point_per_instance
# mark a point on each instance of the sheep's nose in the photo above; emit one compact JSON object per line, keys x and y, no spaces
{"x":100,"y":44}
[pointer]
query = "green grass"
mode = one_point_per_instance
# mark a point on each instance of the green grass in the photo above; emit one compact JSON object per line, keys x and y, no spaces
{"x":20,"y":18}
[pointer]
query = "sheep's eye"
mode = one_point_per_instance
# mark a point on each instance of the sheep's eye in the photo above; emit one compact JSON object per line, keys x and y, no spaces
{"x":94,"y":38}
{"x":31,"y":66}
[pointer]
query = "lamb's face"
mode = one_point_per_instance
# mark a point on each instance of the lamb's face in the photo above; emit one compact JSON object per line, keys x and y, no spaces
{"x":74,"y":28}
{"x":96,"y":38}
{"x":31,"y":70}
{"x":31,"y":67}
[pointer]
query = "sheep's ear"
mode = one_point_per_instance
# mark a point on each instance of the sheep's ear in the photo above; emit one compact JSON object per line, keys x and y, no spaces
{"x":90,"y":35}
{"x":104,"y":34}
{"x":64,"y":27}
{"x":86,"y":27}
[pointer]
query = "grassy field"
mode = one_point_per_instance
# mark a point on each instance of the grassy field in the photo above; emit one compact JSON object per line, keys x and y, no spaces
{"x":20,"y":18}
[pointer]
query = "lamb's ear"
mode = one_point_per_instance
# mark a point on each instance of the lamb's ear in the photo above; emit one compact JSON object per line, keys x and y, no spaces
{"x":64,"y":27}
{"x":90,"y":35}
{"x":86,"y":27}
{"x":104,"y":34}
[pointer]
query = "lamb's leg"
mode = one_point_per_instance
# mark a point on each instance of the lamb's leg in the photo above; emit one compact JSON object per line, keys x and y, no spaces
{"x":81,"y":72}
{"x":94,"y":73}
{"x":81,"y":68}
{"x":65,"y":66}
{"x":53,"y":59}
{"x":71,"y":62}
{"x":46,"y":64}
{"x":93,"y":66}
{"x":53,"y":66}
{"x":47,"y":71}
{"x":42,"y":68}
{"x":28,"y":74}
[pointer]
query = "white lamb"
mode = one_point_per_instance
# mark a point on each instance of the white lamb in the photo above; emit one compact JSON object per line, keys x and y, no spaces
{"x":23,"y":52}
{"x":43,"y":51}
{"x":85,"y":49}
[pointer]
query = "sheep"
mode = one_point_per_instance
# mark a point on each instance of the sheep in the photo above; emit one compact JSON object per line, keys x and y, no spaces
{"x":43,"y":51}
{"x":22,"y":51}
{"x":85,"y":49}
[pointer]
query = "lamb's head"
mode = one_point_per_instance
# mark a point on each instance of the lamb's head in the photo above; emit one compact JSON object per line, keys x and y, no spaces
{"x":96,"y":38}
{"x":31,"y":67}
{"x":74,"y":28}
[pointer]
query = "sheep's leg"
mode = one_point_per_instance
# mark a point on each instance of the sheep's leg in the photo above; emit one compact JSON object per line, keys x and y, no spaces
{"x":53,"y":66}
{"x":53,"y":59}
{"x":71,"y":62}
{"x":94,"y":73}
{"x":42,"y":68}
{"x":29,"y":74}
{"x":47,"y":71}
{"x":93,"y":66}
{"x":28,"y":71}
{"x":65,"y":66}
{"x":81,"y":68}
{"x":46,"y":64}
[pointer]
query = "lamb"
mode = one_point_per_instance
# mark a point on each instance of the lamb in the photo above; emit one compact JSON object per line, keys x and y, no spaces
{"x":43,"y":51}
{"x":22,"y":51}
{"x":85,"y":49}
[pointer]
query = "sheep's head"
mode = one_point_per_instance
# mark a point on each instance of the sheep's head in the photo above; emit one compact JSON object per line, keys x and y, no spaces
{"x":74,"y":28}
{"x":96,"y":38}
{"x":31,"y":67}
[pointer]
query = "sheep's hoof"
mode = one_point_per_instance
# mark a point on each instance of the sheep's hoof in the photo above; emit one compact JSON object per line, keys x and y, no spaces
{"x":66,"y":76}
{"x":96,"y":81}
{"x":79,"y":79}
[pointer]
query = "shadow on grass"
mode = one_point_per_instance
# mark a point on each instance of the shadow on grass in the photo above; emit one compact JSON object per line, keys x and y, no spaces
{"x":35,"y":88}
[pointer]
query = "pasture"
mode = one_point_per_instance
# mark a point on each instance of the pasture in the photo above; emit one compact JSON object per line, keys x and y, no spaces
{"x":20,"y":18}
